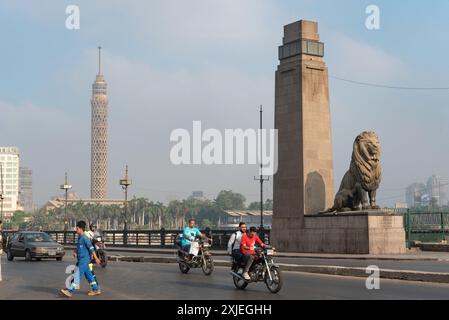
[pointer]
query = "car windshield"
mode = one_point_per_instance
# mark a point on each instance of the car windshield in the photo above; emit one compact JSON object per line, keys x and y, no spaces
{"x":38,"y":237}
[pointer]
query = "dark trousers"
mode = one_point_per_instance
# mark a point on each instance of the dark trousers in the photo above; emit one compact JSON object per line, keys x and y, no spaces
{"x":248,"y":259}
{"x":237,"y":255}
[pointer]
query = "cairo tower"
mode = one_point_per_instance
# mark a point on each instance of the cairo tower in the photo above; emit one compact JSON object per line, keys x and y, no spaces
{"x":99,"y":136}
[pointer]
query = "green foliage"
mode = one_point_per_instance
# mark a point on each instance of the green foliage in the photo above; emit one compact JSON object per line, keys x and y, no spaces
{"x":228,"y":200}
{"x":268,"y":205}
{"x":142,"y":213}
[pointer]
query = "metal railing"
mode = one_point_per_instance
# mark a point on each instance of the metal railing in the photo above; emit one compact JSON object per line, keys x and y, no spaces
{"x":426,"y":226}
{"x":144,"y":238}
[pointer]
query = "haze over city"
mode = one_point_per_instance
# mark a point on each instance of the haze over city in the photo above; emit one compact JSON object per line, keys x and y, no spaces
{"x":170,"y":63}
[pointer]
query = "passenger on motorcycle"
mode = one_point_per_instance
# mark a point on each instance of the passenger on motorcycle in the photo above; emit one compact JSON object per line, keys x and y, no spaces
{"x":94,"y":233}
{"x":234,"y":242}
{"x":190,"y":234}
{"x":247,"y":246}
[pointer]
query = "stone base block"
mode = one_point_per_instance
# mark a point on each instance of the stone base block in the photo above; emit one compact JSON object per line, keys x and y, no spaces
{"x":364,"y":232}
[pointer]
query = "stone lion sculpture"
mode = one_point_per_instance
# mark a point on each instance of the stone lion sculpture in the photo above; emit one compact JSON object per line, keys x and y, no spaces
{"x":363,"y":176}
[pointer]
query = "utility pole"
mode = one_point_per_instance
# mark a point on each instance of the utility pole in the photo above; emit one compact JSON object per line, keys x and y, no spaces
{"x":125,"y":183}
{"x":1,"y":192}
{"x":66,"y":187}
{"x":261,"y":178}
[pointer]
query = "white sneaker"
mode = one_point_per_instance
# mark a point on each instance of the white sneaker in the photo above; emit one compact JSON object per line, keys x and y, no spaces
{"x":246,"y":276}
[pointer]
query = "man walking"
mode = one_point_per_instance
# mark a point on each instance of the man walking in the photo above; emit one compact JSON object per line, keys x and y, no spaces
{"x":85,"y":251}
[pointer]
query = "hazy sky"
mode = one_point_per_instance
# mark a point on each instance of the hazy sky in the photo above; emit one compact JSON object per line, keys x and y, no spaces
{"x":169,"y":63}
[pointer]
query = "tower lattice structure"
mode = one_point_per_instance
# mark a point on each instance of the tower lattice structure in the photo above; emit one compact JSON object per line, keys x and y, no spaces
{"x":99,"y":136}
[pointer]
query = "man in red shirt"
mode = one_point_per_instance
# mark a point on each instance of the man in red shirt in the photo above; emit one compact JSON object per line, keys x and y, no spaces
{"x":247,"y":246}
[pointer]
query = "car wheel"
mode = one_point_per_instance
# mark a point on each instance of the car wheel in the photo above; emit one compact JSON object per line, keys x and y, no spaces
{"x":9,"y":255}
{"x":28,"y":256}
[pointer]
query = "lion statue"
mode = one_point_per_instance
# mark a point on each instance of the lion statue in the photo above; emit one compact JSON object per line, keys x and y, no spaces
{"x":363,"y":176}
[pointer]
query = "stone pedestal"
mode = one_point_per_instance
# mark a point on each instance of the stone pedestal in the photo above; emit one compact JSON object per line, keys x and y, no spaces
{"x":364,"y":232}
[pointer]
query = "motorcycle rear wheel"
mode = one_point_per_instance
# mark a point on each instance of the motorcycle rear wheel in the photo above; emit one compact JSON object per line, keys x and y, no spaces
{"x":184,"y":267}
{"x":239,"y":283}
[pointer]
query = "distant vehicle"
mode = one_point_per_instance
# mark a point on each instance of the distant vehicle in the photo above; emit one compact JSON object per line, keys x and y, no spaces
{"x":100,"y":250}
{"x":34,"y":245}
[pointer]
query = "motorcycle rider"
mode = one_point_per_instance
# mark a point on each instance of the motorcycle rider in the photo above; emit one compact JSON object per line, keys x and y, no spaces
{"x":247,"y":247}
{"x":234,"y":242}
{"x":190,"y":234}
{"x":94,"y":231}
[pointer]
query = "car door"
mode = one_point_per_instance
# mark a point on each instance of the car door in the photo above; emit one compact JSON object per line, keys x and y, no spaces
{"x":19,"y":249}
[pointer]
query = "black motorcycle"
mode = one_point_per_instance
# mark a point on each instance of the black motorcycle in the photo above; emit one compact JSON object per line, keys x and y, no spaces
{"x":100,"y":251}
{"x":263,"y":270}
{"x":203,"y":259}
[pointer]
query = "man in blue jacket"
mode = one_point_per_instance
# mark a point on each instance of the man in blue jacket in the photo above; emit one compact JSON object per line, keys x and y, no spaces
{"x":85,"y":251}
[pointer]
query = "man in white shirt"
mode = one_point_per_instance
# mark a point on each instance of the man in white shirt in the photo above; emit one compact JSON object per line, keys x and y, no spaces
{"x":234,"y":242}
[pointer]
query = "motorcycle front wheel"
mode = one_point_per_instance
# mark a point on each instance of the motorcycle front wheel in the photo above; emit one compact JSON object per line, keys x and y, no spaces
{"x":239,"y":283}
{"x":208,"y":265}
{"x":274,"y":285}
{"x":103,"y":258}
{"x":184,"y":267}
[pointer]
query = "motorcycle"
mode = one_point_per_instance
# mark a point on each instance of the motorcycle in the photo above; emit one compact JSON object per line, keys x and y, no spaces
{"x":100,"y":251}
{"x":201,"y":259}
{"x":263,"y":270}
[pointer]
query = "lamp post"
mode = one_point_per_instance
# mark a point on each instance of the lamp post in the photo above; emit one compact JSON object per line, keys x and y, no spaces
{"x":66,"y":187}
{"x":261,"y":179}
{"x":125,"y":183}
{"x":1,"y":192}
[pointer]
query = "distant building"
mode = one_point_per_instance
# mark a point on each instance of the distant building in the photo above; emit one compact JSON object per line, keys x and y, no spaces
{"x":197,"y":195}
{"x":231,"y":219}
{"x":434,"y":192}
{"x":73,"y":198}
{"x":414,"y":194}
{"x":26,"y":189}
{"x":99,"y":136}
{"x":9,"y":163}
{"x":400,"y":205}
{"x":437,"y":188}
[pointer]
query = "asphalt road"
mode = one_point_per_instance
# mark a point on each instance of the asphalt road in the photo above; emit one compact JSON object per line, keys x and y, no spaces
{"x":417,"y":265}
{"x":124,"y":280}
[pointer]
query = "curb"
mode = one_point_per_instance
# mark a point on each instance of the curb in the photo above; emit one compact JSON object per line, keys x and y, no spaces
{"x":278,"y":255}
{"x":406,"y":275}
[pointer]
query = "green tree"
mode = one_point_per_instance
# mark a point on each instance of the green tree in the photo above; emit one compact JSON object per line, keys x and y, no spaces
{"x":228,"y":200}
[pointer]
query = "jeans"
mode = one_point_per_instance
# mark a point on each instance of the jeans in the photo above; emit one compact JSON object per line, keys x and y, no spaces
{"x":248,"y":259}
{"x":237,"y":255}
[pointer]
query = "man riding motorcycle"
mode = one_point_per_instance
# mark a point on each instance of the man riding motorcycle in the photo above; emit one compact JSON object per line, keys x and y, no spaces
{"x":234,"y":242}
{"x":190,"y":234}
{"x":94,"y":233}
{"x":247,"y":247}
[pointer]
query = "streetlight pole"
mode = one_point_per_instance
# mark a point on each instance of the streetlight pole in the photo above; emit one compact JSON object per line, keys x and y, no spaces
{"x":261,"y":178}
{"x":66,"y":187}
{"x":125,"y":183}
{"x":1,"y":192}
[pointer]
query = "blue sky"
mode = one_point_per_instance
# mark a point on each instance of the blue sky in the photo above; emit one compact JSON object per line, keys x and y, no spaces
{"x":171,"y":62}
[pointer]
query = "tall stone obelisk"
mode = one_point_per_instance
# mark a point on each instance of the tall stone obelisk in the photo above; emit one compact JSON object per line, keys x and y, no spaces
{"x":303,"y":184}
{"x":99,"y":136}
